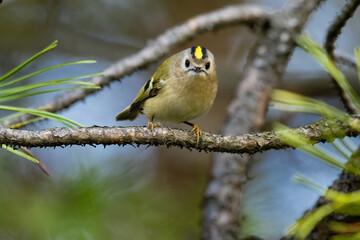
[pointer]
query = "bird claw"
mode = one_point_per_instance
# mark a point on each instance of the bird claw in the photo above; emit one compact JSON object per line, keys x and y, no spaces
{"x":198,"y":133}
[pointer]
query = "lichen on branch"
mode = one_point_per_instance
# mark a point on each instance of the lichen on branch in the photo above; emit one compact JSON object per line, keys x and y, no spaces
{"x":324,"y":130}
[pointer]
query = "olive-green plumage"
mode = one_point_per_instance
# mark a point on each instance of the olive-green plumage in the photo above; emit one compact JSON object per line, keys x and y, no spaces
{"x":183,"y":88}
{"x":149,"y":90}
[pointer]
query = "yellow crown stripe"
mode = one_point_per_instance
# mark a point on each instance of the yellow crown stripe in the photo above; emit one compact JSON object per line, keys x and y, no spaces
{"x":198,"y":53}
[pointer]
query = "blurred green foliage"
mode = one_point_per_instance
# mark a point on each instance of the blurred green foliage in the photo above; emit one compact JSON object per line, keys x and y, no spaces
{"x":94,"y":206}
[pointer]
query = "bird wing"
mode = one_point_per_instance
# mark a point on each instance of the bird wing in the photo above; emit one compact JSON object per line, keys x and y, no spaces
{"x":153,"y":86}
{"x":149,"y":90}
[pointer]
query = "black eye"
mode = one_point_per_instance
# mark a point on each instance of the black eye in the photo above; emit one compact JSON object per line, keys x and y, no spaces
{"x":207,"y":66}
{"x":187,"y":63}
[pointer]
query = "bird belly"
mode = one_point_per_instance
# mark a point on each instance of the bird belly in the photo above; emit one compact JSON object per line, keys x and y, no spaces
{"x":180,"y":104}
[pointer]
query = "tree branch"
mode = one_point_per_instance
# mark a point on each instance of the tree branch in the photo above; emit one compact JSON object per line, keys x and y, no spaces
{"x":228,"y":16}
{"x":335,"y":28}
{"x":320,"y":131}
{"x":333,"y":32}
{"x":264,"y":69}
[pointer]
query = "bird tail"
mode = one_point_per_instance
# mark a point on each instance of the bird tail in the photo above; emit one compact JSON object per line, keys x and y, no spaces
{"x":128,"y":113}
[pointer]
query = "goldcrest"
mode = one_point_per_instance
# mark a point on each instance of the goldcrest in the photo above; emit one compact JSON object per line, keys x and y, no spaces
{"x":182,"y":88}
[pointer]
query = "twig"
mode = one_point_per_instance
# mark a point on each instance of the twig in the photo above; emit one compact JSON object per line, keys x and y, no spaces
{"x":228,"y":16}
{"x":264,"y":69}
{"x":335,"y":28}
{"x":40,"y":164}
{"x":333,"y":32}
{"x":320,"y":131}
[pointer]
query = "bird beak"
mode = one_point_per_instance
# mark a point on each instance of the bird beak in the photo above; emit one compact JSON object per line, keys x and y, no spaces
{"x":198,"y":70}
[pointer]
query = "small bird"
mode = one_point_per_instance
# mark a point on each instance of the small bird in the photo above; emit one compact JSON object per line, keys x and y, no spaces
{"x":182,"y":88}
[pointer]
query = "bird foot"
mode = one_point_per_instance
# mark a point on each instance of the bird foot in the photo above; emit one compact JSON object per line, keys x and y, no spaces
{"x":198,"y":132}
{"x":152,"y":125}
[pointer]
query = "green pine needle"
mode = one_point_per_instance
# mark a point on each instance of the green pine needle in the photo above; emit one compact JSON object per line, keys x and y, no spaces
{"x":309,"y":45}
{"x":303,"y":226}
{"x":296,"y":140}
{"x":22,"y":65}
{"x":42,"y":113}
{"x":24,"y":88}
{"x":19,"y":153}
{"x":45,"y":70}
{"x":18,"y":96}
{"x":357,"y":57}
{"x":288,"y":101}
{"x":310,"y":184}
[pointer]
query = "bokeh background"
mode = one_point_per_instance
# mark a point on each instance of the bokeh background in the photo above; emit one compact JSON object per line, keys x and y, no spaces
{"x":143,"y":193}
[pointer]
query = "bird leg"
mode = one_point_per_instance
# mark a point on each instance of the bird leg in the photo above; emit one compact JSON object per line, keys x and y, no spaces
{"x":195,"y":129}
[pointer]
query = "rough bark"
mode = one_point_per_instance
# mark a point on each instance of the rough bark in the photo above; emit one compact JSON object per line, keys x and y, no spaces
{"x":247,"y":143}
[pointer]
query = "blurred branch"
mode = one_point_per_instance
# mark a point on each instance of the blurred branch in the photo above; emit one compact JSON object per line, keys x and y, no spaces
{"x":320,"y":131}
{"x":228,"y":16}
{"x":264,"y":69}
{"x":335,"y":28}
{"x":333,"y":32}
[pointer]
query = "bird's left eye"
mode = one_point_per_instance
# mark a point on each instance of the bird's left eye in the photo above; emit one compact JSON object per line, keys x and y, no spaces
{"x":207,"y":66}
{"x":187,"y":63}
